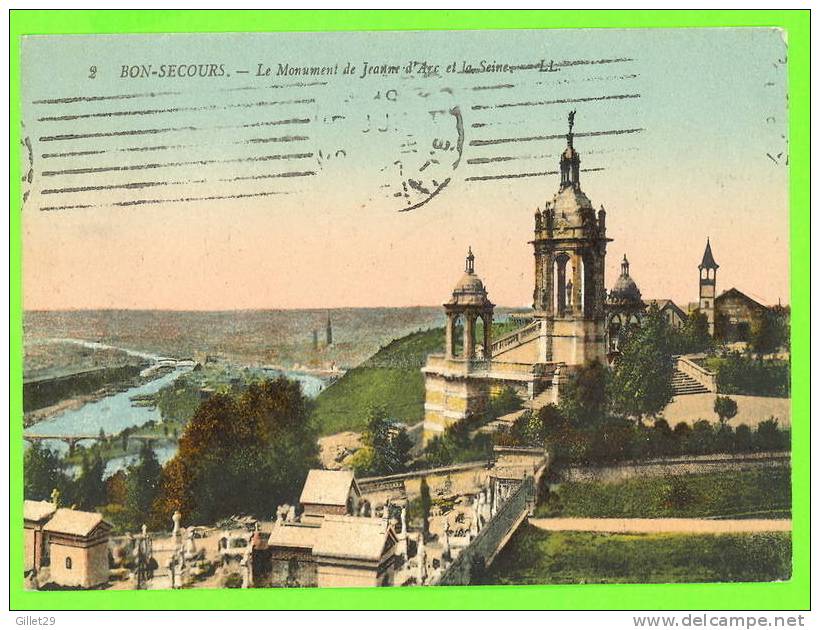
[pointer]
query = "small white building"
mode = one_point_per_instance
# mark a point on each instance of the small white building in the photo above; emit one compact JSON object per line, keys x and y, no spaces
{"x":333,"y":551}
{"x":329,"y":492}
{"x":78,"y":548}
{"x":355,"y":551}
{"x":35,"y":516}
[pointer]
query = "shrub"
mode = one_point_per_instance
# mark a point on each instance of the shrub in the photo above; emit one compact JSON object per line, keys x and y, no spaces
{"x":738,"y":374}
{"x":232,"y":580}
{"x":725,"y":408}
{"x":770,"y":438}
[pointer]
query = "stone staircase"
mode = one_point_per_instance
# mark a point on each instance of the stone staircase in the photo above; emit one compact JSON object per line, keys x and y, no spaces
{"x":683,"y":384}
{"x":538,"y":402}
{"x":516,"y":338}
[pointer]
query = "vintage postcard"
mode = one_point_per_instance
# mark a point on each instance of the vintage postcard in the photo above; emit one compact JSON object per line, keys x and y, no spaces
{"x":421,"y":308}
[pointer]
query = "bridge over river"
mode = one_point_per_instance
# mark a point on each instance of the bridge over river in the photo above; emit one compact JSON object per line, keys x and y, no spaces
{"x":72,"y":440}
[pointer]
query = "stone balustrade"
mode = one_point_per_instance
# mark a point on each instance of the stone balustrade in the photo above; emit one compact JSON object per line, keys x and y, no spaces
{"x":686,"y":365}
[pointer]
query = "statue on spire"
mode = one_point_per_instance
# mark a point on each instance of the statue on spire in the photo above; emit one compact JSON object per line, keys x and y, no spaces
{"x":571,"y":120}
{"x":470,"y":264}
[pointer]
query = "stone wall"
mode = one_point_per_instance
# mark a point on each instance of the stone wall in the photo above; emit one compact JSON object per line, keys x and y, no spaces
{"x":467,"y":478}
{"x":690,"y":465}
{"x":483,"y":549}
{"x":293,"y":567}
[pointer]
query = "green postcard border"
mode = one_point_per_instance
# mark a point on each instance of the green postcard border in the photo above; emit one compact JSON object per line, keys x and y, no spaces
{"x":789,"y":595}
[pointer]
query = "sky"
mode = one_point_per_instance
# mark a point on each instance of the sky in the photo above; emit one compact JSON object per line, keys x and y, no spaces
{"x":364,"y":183}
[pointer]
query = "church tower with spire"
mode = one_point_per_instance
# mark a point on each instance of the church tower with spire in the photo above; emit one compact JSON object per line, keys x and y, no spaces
{"x":708,"y":273}
{"x":570,"y":249}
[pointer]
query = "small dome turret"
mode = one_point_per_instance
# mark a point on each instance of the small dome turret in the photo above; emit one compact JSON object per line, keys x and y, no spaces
{"x":625,"y":290}
{"x":470,"y":289}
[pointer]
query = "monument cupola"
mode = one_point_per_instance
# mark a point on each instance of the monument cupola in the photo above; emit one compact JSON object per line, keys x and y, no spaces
{"x":468,"y":304}
{"x":624,"y":309}
{"x":625,"y":290}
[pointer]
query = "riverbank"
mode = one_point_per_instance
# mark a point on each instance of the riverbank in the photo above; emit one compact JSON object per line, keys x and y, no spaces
{"x":75,"y":403}
{"x":156,"y":408}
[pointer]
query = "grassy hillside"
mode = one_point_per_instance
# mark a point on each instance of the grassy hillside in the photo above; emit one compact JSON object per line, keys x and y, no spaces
{"x":391,"y":378}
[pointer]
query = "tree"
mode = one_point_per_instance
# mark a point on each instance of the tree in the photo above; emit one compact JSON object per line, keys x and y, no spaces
{"x":661,"y":439}
{"x":768,"y":334}
{"x":116,"y":488}
{"x":701,"y":440}
{"x":401,"y":445}
{"x":743,"y":438}
{"x":362,"y":461}
{"x":143,"y":484}
{"x":426,"y":504}
{"x":679,"y":495}
{"x":241,"y":454}
{"x":43,"y":471}
{"x":389,"y":446}
{"x":529,"y":430}
{"x":693,"y":336}
{"x":584,"y":398}
{"x":642,"y":380}
{"x":612,"y":439}
{"x":89,"y":488}
{"x":725,"y":408}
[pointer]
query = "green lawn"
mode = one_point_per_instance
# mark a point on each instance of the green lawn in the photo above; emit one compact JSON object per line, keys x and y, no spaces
{"x":761,"y":493}
{"x":391,"y":378}
{"x":534,"y":556}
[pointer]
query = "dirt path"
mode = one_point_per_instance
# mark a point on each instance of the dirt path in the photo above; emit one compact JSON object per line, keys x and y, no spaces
{"x":662,"y":525}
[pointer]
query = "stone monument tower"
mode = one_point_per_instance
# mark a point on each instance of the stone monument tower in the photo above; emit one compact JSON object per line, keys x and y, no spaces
{"x":456,"y":383}
{"x":708,"y":273}
{"x":570,"y":249}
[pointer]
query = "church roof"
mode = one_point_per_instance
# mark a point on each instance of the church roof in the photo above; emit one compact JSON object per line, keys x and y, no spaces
{"x":733,"y":292}
{"x":665,"y":303}
{"x":708,"y":261}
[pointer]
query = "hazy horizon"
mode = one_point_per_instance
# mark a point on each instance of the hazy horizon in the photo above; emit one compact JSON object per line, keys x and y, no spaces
{"x":292,"y":199}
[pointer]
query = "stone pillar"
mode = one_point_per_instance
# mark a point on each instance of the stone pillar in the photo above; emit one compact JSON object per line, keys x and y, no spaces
{"x":488,"y":336}
{"x":549,"y":282}
{"x":561,"y":280}
{"x":577,"y":285}
{"x":448,"y":340}
{"x":469,"y":336}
